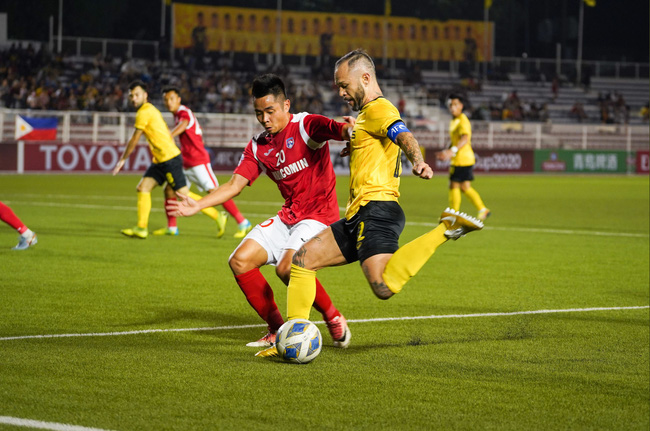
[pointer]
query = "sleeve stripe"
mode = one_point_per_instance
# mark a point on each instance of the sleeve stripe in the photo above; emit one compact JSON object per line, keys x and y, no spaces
{"x":305,"y":136}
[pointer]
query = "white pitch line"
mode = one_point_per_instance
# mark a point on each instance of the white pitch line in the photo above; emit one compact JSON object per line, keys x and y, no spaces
{"x":277,"y":205}
{"x":378,"y":319}
{"x":29,"y":423}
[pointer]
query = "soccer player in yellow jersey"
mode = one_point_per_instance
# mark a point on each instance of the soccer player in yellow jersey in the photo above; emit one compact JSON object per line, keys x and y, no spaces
{"x":462,"y":159}
{"x":167,"y":164}
{"x":369,"y":232}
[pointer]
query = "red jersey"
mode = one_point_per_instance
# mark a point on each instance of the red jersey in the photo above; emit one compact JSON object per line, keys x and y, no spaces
{"x":297,"y":159}
{"x":192,"y":148}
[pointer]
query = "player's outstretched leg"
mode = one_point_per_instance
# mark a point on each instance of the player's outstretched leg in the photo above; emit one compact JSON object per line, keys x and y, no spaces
{"x":459,"y":224}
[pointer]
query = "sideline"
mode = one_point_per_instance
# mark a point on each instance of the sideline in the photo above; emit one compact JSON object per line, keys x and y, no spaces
{"x":29,"y":423}
{"x":276,"y":205}
{"x":378,"y":319}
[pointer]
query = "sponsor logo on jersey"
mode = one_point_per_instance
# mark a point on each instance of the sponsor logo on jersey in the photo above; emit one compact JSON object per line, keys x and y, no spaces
{"x":289,"y":143}
{"x":290,"y":169}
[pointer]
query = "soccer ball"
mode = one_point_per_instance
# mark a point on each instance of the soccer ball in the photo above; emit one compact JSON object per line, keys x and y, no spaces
{"x":298,"y":340}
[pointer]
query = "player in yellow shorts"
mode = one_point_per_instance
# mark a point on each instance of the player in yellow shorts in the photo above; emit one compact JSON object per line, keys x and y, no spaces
{"x":461,"y":171}
{"x":167,"y":164}
{"x":369,"y":232}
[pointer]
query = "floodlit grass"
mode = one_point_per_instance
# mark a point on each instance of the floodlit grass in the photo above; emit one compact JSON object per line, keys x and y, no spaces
{"x":553,"y":243}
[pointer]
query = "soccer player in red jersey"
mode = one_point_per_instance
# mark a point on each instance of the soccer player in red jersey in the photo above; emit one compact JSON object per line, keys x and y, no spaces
{"x":293,"y":151}
{"x":196,"y":167}
{"x":27,"y":237}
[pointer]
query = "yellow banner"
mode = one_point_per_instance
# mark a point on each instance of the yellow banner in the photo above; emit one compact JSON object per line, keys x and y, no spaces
{"x":222,"y":29}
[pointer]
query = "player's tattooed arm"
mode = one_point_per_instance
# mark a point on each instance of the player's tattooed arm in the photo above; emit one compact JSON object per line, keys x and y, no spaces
{"x":411,"y":148}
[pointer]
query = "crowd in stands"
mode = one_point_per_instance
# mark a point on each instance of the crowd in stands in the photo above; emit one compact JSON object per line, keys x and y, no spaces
{"x":34,"y":79}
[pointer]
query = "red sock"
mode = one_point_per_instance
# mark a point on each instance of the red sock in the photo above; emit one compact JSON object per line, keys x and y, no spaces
{"x":233,"y":210}
{"x":323,"y":303}
{"x":171,"y":220}
{"x":260,"y":296}
{"x":9,"y":217}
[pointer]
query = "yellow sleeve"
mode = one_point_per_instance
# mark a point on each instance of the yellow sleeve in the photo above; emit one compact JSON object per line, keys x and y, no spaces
{"x":380,"y":117}
{"x":142,"y":118}
{"x":465,"y":128}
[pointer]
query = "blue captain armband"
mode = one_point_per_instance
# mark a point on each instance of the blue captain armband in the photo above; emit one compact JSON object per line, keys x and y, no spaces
{"x":395,"y":129}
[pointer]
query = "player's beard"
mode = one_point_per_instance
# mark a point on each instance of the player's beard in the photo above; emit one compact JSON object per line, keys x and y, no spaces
{"x":358,"y":98}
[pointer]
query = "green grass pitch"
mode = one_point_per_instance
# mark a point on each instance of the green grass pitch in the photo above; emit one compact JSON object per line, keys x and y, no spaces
{"x":552,"y":243}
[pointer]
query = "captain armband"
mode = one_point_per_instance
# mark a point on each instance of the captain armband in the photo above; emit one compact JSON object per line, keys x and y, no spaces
{"x":395,"y":129}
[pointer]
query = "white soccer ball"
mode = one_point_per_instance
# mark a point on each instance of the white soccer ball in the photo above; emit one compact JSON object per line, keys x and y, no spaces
{"x":298,"y":340}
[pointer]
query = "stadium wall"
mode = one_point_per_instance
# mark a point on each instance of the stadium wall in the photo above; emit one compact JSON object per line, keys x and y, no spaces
{"x":88,"y":157}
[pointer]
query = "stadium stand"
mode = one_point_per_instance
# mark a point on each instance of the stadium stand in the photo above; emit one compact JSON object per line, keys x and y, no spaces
{"x":33,"y":80}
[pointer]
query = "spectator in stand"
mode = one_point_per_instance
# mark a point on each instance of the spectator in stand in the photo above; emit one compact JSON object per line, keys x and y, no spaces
{"x":578,"y":112}
{"x":512,"y":108}
{"x":621,"y":110}
{"x":644,"y":112}
{"x":555,"y":87}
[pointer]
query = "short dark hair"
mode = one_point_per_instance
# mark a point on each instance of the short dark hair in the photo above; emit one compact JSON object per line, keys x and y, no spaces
{"x":453,"y":96}
{"x":138,"y":83}
{"x":170,"y":88}
{"x":266,"y":84}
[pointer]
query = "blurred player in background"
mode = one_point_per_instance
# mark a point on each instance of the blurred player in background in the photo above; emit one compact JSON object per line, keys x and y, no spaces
{"x":373,"y":220}
{"x":27,"y":237}
{"x":167,"y":164}
{"x":461,"y":171}
{"x":293,"y":151}
{"x":196,"y":167}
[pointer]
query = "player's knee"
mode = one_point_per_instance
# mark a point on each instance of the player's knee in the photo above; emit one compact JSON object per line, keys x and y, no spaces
{"x":237,"y":264}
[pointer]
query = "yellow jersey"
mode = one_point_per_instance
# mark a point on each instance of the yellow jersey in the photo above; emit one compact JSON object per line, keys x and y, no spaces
{"x":375,"y":161}
{"x":150,"y":121}
{"x":458,"y":127}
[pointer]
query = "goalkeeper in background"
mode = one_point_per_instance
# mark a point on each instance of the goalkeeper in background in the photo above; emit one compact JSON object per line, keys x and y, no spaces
{"x":461,"y":171}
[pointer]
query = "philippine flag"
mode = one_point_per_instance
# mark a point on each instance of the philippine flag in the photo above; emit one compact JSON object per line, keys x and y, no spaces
{"x":36,"y":129}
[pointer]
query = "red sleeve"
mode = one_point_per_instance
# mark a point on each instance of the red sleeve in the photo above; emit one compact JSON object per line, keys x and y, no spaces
{"x":248,"y":167}
{"x":321,"y":129}
{"x":182,"y":114}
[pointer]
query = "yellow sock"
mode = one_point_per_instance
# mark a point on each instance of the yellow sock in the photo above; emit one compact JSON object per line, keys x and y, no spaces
{"x":210,"y":212}
{"x":475,"y":198}
{"x":407,"y":261}
{"x":454,"y":199}
{"x":300,"y":293}
{"x":144,"y":209}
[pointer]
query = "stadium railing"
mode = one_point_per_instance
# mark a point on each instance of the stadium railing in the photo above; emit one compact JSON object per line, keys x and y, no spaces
{"x":235,"y":130}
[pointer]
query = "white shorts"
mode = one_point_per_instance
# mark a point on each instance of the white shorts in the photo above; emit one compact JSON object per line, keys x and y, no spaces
{"x":202,"y":176}
{"x":275,"y":237}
